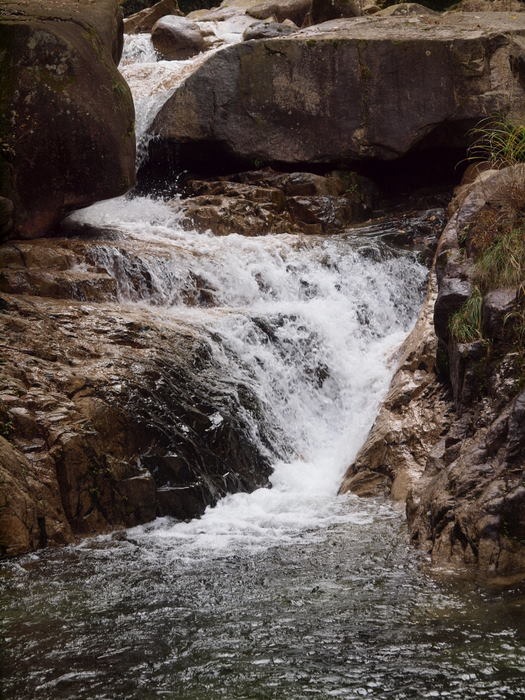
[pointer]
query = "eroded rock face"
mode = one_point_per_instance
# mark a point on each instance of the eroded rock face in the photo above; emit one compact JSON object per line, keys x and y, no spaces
{"x":348,"y":89}
{"x":453,"y":446}
{"x":66,"y":114}
{"x":109,"y":416}
{"x":258,"y":202}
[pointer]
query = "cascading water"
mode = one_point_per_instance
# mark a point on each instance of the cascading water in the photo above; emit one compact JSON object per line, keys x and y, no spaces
{"x":288,"y":592}
{"x":308,"y":324}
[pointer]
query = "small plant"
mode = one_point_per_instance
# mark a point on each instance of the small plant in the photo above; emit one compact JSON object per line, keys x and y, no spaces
{"x":502,"y":264}
{"x":465,"y":325}
{"x":6,"y":428}
{"x":498,"y":142}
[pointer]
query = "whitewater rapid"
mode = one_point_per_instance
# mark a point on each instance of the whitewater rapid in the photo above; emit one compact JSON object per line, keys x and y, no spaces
{"x":309,"y":324}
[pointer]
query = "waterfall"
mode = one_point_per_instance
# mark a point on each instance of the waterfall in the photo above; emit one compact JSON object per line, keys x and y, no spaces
{"x":308,"y":324}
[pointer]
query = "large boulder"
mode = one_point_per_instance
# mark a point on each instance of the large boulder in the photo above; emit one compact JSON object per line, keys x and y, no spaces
{"x":350,"y":89}
{"x":177,"y":38}
{"x":296,"y":10}
{"x":66,"y":114}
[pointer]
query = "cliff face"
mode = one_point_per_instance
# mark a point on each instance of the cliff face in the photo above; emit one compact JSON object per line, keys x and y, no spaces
{"x":453,"y":445}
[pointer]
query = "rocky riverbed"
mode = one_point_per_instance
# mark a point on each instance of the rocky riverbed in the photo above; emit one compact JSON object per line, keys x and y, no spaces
{"x":273,"y":122}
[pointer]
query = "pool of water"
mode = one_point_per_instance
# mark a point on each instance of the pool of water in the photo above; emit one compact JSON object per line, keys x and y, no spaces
{"x":345,"y":611}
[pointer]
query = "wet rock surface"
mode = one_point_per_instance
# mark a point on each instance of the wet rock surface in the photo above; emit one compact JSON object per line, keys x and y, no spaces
{"x":267,"y":201}
{"x":59,"y":77}
{"x":109,"y":416}
{"x":449,"y":437}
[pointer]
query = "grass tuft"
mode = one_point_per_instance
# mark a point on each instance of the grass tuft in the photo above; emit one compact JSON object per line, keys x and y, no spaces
{"x":466,"y":324}
{"x":502,"y":264}
{"x":498,"y":142}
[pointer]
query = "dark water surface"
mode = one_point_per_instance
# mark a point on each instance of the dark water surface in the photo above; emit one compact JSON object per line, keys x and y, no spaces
{"x":348,"y":612}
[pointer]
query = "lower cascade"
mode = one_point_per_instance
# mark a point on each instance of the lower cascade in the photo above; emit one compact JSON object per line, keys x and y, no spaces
{"x":288,"y":591}
{"x":281,"y":588}
{"x":306,"y":326}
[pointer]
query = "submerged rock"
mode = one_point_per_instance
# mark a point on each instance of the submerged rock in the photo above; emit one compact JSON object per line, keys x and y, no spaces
{"x":349,"y":89}
{"x":66,"y":114}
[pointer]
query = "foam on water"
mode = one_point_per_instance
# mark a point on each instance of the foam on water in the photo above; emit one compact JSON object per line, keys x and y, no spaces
{"x":309,"y":324}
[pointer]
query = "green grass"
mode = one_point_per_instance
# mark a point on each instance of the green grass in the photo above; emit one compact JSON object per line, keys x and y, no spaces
{"x":465,"y":325}
{"x":502,"y":264}
{"x":498,"y":142}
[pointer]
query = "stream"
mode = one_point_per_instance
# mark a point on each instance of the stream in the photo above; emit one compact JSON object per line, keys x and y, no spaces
{"x":289,"y":592}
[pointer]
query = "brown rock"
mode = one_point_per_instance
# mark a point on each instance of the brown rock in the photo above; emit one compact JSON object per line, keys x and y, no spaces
{"x":296,"y":10}
{"x":259,"y":202}
{"x":410,"y":422}
{"x":115,"y":412}
{"x":144,"y":20}
{"x":323,"y":11}
{"x":176,"y":38}
{"x":268,"y":30}
{"x":488,"y":6}
{"x":459,"y":466}
{"x":66,"y":114}
{"x":406,"y":9}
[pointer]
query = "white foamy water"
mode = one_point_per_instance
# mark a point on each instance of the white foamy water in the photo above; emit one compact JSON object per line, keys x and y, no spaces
{"x":152,"y":80}
{"x":309,"y":324}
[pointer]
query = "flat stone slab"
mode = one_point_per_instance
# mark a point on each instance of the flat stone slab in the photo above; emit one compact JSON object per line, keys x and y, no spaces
{"x":352,"y":89}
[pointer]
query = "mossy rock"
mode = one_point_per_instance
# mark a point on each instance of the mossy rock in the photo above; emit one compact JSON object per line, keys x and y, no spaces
{"x":66,"y":113}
